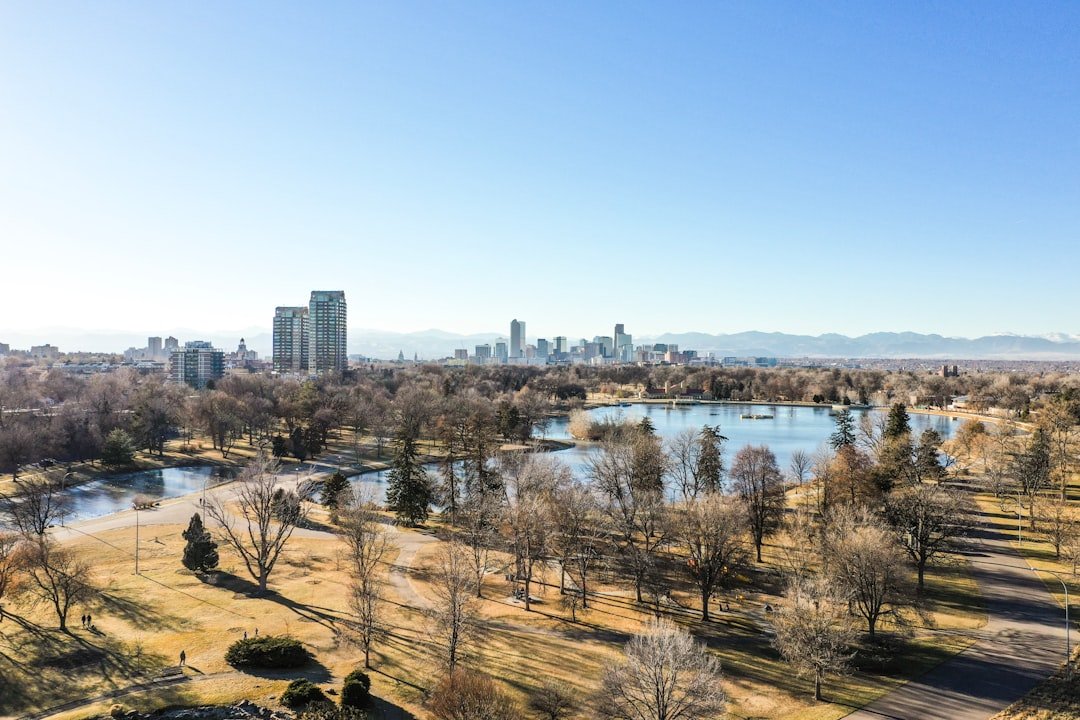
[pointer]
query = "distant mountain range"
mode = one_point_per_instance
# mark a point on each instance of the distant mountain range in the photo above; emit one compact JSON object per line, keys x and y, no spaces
{"x":433,"y":344}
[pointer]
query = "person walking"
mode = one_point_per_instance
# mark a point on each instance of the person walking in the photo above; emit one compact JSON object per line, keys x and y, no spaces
{"x":183,"y":658}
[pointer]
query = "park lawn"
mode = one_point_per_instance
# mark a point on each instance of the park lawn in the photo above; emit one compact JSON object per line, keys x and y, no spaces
{"x":147,"y":619}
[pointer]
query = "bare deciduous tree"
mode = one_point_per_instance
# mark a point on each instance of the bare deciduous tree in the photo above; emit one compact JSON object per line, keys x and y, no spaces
{"x":268,"y":512}
{"x":527,"y":502}
{"x":14,"y":556}
{"x":760,"y":487}
{"x":1057,"y":523}
{"x":799,"y":465}
{"x":553,"y":701}
{"x":813,"y":630}
{"x":577,"y":541}
{"x":38,"y":503}
{"x":634,"y":511}
{"x":454,"y":612}
{"x":930,"y":521}
{"x":711,"y":530}
{"x":59,"y":578}
{"x":369,"y":544}
{"x":865,"y":564}
{"x":666,"y":675}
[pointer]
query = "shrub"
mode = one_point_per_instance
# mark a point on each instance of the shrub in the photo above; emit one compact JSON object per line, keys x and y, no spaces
{"x":302,"y":692}
{"x":355,"y":693}
{"x":471,"y":696}
{"x":267,"y":652}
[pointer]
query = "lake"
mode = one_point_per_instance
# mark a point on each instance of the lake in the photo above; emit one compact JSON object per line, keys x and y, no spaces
{"x":791,"y":428}
{"x":114,"y":493}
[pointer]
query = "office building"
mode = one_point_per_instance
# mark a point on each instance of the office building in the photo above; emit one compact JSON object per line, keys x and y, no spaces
{"x":198,"y":364}
{"x":543,"y":348}
{"x":327,"y":334}
{"x":561,"y":346}
{"x":290,"y":354}
{"x":171,"y":345}
{"x":153,"y":347}
{"x":501,"y":352}
{"x":483,"y":352}
{"x":517,"y":338}
{"x":5,"y":348}
{"x":461,"y":354}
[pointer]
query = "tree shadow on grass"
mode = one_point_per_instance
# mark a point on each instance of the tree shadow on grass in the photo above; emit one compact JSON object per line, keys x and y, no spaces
{"x":246,"y":589}
{"x":387,"y":710}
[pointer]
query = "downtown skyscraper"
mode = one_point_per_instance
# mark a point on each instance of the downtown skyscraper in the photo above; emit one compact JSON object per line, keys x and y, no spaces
{"x":517,"y":338}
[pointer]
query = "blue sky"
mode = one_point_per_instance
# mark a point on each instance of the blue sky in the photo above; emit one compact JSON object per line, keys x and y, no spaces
{"x":798,"y":167}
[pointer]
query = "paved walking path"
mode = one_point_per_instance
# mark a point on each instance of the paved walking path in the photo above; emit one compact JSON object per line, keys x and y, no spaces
{"x":1022,"y":644}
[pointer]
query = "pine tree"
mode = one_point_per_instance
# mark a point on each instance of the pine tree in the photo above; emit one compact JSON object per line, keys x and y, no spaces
{"x":710,"y":460}
{"x":409,"y":492}
{"x":200,"y":553}
{"x":897,"y":425}
{"x":845,"y":430}
{"x":119,"y":448}
{"x":332,"y":490}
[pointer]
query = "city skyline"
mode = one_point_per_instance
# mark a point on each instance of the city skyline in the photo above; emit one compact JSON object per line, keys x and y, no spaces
{"x":877,"y":168}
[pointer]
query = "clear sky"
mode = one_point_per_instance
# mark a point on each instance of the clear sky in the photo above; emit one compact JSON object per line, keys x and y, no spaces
{"x":798,"y":167}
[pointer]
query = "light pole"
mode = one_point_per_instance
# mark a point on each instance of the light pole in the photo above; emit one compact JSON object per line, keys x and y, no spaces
{"x":1068,"y":645}
{"x":136,"y":506}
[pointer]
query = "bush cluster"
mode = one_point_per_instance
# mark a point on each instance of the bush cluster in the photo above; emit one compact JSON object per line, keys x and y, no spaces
{"x":355,"y":693}
{"x":267,"y":652}
{"x":302,"y":692}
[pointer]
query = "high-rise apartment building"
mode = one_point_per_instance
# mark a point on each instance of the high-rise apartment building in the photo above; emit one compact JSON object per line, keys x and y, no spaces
{"x":171,"y":345}
{"x":517,"y":338}
{"x":327,"y":334}
{"x":153,"y":347}
{"x":197,"y":364}
{"x":290,"y":339}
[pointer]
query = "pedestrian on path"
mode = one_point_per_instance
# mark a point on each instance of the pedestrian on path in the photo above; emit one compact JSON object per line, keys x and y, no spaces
{"x":183,"y":658}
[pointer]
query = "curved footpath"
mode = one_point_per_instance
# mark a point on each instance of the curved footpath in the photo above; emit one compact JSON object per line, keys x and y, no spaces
{"x":1022,"y":644}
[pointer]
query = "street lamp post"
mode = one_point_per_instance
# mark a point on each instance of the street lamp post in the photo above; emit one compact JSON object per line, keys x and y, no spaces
{"x":1068,"y":644}
{"x":136,"y":539}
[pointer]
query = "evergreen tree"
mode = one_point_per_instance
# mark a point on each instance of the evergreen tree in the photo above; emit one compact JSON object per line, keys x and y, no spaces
{"x":646,"y":427}
{"x":897,"y":424}
{"x":710,"y":457}
{"x":200,"y":552}
{"x":409,"y":492}
{"x":119,"y":448}
{"x":928,"y":466}
{"x":844,"y":436}
{"x":332,"y":490}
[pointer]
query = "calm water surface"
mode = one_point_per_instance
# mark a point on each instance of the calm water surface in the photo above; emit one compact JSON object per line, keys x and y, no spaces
{"x":791,"y":428}
{"x":114,"y":493}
